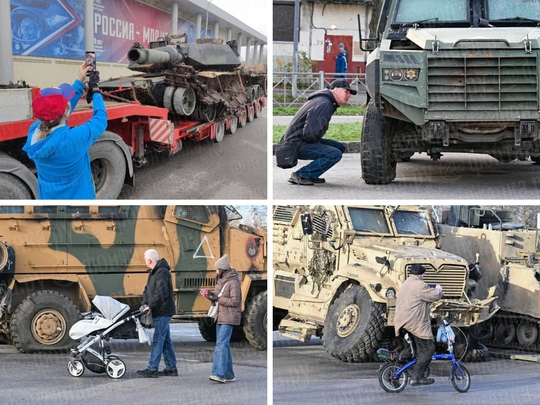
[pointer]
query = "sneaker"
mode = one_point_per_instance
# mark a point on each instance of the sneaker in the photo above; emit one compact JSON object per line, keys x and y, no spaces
{"x":233,"y":379}
{"x":422,"y":381}
{"x":216,"y":379}
{"x":318,"y":180}
{"x":302,"y":181}
{"x":173,"y":372}
{"x":147,"y":373}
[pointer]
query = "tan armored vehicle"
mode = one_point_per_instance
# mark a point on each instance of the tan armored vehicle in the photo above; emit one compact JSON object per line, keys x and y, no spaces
{"x":55,"y":259}
{"x":509,"y":256}
{"x":338,"y":270}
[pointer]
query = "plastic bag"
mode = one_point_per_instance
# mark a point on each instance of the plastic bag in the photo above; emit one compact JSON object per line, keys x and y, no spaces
{"x":147,"y":320}
{"x":445,"y":334}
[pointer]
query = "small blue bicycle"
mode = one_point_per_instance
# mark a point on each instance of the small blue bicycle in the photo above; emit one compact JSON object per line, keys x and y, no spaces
{"x":394,"y":376}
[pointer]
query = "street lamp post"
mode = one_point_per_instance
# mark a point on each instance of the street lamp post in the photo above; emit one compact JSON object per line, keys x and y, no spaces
{"x":206,"y":24}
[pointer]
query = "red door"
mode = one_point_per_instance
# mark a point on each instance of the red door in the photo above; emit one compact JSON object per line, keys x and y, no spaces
{"x":331,"y":50}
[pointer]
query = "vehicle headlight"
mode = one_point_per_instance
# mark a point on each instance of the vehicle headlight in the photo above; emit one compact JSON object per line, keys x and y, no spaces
{"x":401,"y":74}
{"x":390,"y":293}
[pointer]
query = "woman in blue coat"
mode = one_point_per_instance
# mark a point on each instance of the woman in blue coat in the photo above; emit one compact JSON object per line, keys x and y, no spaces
{"x":61,"y":153}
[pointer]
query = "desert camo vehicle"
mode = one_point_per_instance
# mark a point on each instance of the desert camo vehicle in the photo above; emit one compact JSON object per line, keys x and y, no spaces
{"x":451,"y":76}
{"x":55,"y":259}
{"x":338,"y":271}
{"x":508,"y":254}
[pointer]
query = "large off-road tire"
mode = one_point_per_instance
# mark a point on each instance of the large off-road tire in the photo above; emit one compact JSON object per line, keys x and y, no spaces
{"x":13,"y":188}
{"x":378,"y":161}
{"x":255,"y":327}
{"x":207,"y":327}
{"x":109,"y":167}
{"x":354,"y":326}
{"x":41,"y":322}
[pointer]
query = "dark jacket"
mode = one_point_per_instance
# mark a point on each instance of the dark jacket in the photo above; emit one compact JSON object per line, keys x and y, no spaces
{"x":311,"y":122}
{"x":158,"y":293}
{"x":230,"y":302}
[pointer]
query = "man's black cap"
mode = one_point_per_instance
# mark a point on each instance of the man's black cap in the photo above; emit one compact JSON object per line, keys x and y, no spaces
{"x":417,"y":269}
{"x":342,"y":83}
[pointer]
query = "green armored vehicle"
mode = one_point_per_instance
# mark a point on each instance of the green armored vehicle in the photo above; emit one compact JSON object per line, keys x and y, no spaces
{"x":338,"y":271}
{"x":509,"y":256}
{"x":55,"y":259}
{"x":451,"y":76}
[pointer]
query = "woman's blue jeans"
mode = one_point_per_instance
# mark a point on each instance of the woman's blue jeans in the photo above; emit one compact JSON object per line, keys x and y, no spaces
{"x":162,"y":344}
{"x":325,"y":154}
{"x":222,"y":362}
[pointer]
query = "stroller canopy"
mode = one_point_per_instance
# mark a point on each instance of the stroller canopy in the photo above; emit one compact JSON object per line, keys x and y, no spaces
{"x":109,"y":307}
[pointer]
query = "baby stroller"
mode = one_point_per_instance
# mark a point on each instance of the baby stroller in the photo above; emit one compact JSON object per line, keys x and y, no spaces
{"x":95,"y":331}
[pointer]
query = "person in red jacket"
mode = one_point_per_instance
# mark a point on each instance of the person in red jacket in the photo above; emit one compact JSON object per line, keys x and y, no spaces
{"x":229,"y":297}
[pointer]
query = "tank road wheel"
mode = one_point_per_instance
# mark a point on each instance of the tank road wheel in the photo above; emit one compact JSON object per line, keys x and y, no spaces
{"x":505,"y":331}
{"x":255,"y":321}
{"x":42,"y":322}
{"x":526,"y":333}
{"x":207,"y":328}
{"x":108,"y":169}
{"x":378,"y":161}
{"x":12,"y":188}
{"x":242,"y":121}
{"x":75,"y":367}
{"x":233,"y":126}
{"x":354,"y":326}
{"x":482,"y":331}
{"x":220,"y":131}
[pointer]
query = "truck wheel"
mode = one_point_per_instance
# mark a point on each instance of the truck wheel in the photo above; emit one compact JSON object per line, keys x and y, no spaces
{"x":233,"y":125}
{"x":41,"y":322}
{"x":258,"y":109}
{"x":354,"y":326}
{"x":243,"y":118}
{"x":108,"y":169}
{"x":207,"y":328}
{"x":251,"y":113}
{"x":378,"y":161}
{"x":12,"y":188}
{"x":220,"y":131}
{"x":255,"y":321}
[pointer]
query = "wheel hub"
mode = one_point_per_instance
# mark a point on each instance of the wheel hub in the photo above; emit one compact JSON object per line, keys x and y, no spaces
{"x":348,"y":320}
{"x":48,"y":327}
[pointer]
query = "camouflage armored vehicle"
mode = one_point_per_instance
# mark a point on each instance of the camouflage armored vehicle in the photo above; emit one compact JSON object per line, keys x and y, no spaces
{"x":55,"y":259}
{"x":451,"y":76}
{"x":338,"y":270}
{"x":509,"y":256}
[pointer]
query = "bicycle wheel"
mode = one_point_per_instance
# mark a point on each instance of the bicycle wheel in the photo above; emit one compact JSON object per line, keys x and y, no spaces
{"x":387,"y":381}
{"x":461,"y":379}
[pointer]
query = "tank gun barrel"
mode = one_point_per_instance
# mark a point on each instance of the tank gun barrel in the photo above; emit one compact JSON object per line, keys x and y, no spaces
{"x":167,"y":54}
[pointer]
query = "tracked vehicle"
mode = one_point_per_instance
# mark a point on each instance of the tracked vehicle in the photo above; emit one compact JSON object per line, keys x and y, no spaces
{"x":338,"y":271}
{"x":509,"y":257}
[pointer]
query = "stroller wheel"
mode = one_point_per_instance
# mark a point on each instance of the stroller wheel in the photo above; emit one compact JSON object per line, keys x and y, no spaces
{"x":75,"y":367}
{"x":116,"y":368}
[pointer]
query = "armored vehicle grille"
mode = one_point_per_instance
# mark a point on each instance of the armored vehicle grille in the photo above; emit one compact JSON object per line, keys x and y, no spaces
{"x":196,"y":282}
{"x":284,"y":214}
{"x":284,"y":286}
{"x":319,"y":225}
{"x":483,"y":84}
{"x":451,"y":278}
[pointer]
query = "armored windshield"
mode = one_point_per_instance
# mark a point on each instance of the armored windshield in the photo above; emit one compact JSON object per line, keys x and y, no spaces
{"x":410,"y":12}
{"x":512,"y":10}
{"x":411,"y":223}
{"x":369,"y":220}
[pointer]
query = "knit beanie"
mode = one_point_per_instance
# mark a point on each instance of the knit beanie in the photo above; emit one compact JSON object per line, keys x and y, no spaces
{"x":223,"y":263}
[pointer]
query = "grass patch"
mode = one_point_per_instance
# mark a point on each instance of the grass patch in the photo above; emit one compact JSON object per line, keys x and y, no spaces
{"x":338,"y":132}
{"x":346,"y":110}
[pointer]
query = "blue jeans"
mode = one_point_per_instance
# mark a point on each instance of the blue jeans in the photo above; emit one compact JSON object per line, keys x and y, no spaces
{"x":162,"y":344}
{"x":325,"y":154}
{"x":222,"y":362}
